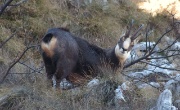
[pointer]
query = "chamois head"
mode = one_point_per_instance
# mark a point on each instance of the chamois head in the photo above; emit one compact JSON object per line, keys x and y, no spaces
{"x":125,"y":43}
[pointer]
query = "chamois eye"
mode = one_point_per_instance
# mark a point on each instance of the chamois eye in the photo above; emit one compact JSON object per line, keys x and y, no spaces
{"x":124,"y":49}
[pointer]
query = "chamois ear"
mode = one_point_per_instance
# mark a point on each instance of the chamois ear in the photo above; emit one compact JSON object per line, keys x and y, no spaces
{"x":127,"y":34}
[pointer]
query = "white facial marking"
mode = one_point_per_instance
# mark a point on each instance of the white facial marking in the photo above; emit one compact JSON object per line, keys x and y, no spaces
{"x":122,"y":55}
{"x":117,"y":50}
{"x":126,"y":43}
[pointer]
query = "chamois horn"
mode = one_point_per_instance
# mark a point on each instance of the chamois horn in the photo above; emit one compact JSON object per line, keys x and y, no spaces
{"x":130,"y":28}
{"x":134,"y":36}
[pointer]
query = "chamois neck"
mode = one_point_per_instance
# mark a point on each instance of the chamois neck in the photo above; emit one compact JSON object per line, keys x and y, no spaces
{"x":112,"y":58}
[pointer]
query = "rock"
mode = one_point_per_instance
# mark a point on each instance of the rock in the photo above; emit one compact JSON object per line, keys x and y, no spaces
{"x":177,"y":78}
{"x":93,"y":83}
{"x":165,"y":101}
{"x":139,"y":50}
{"x":156,"y":66}
{"x":176,"y":46}
{"x":174,"y":86}
{"x":119,"y":91}
{"x":158,"y":63}
{"x":151,"y":84}
{"x":87,"y":2}
{"x":170,"y":84}
{"x":104,"y":92}
{"x":177,"y":104}
{"x":142,"y":47}
{"x":155,"y":84}
{"x":125,"y":85}
{"x":174,"y":50}
{"x":140,"y":74}
{"x":64,"y":84}
{"x":119,"y":94}
{"x":143,"y":85}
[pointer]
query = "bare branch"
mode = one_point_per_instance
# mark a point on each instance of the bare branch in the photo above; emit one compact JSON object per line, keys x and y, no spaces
{"x":19,"y":3}
{"x":134,"y":78}
{"x":16,"y":60}
{"x":163,"y":56}
{"x":138,"y":60}
{"x":152,"y":51}
{"x":2,"y":8}
{"x":170,"y":45}
{"x":8,"y":4}
{"x":30,"y":67}
{"x":37,"y":70}
{"x":160,"y":39}
{"x":7,"y":39}
{"x":21,"y":73}
{"x":160,"y":66}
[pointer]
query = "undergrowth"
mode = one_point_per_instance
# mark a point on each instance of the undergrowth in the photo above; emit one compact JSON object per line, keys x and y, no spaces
{"x":98,"y":25}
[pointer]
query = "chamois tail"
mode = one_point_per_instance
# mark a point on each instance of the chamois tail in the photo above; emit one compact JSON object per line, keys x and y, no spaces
{"x":48,"y":44}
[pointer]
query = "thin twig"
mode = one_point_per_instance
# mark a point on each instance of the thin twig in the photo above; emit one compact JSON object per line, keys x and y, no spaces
{"x":160,"y":66}
{"x":152,"y":51}
{"x":7,"y":39}
{"x":39,"y":69}
{"x":29,"y":67}
{"x":138,"y":60}
{"x":2,"y":8}
{"x":158,"y":41}
{"x":19,"y":3}
{"x":169,"y":46}
{"x":133,"y":78}
{"x":16,"y":60}
{"x":167,"y":56}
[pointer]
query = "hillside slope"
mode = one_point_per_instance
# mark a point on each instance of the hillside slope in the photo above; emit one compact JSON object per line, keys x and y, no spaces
{"x":100,"y":23}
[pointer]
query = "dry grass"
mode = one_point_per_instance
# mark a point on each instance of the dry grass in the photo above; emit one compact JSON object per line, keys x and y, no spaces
{"x":99,"y":26}
{"x":100,"y":97}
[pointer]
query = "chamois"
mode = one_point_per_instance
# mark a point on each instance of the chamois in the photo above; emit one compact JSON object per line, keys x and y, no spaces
{"x":65,"y":54}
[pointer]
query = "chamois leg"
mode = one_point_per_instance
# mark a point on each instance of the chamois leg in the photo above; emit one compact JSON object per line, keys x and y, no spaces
{"x":50,"y":69}
{"x":64,"y":68}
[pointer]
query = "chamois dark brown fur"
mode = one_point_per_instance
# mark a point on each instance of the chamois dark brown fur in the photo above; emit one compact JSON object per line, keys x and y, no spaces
{"x":65,"y":54}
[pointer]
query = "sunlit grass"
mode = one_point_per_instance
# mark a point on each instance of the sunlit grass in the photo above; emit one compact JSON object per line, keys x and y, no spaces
{"x":158,"y":6}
